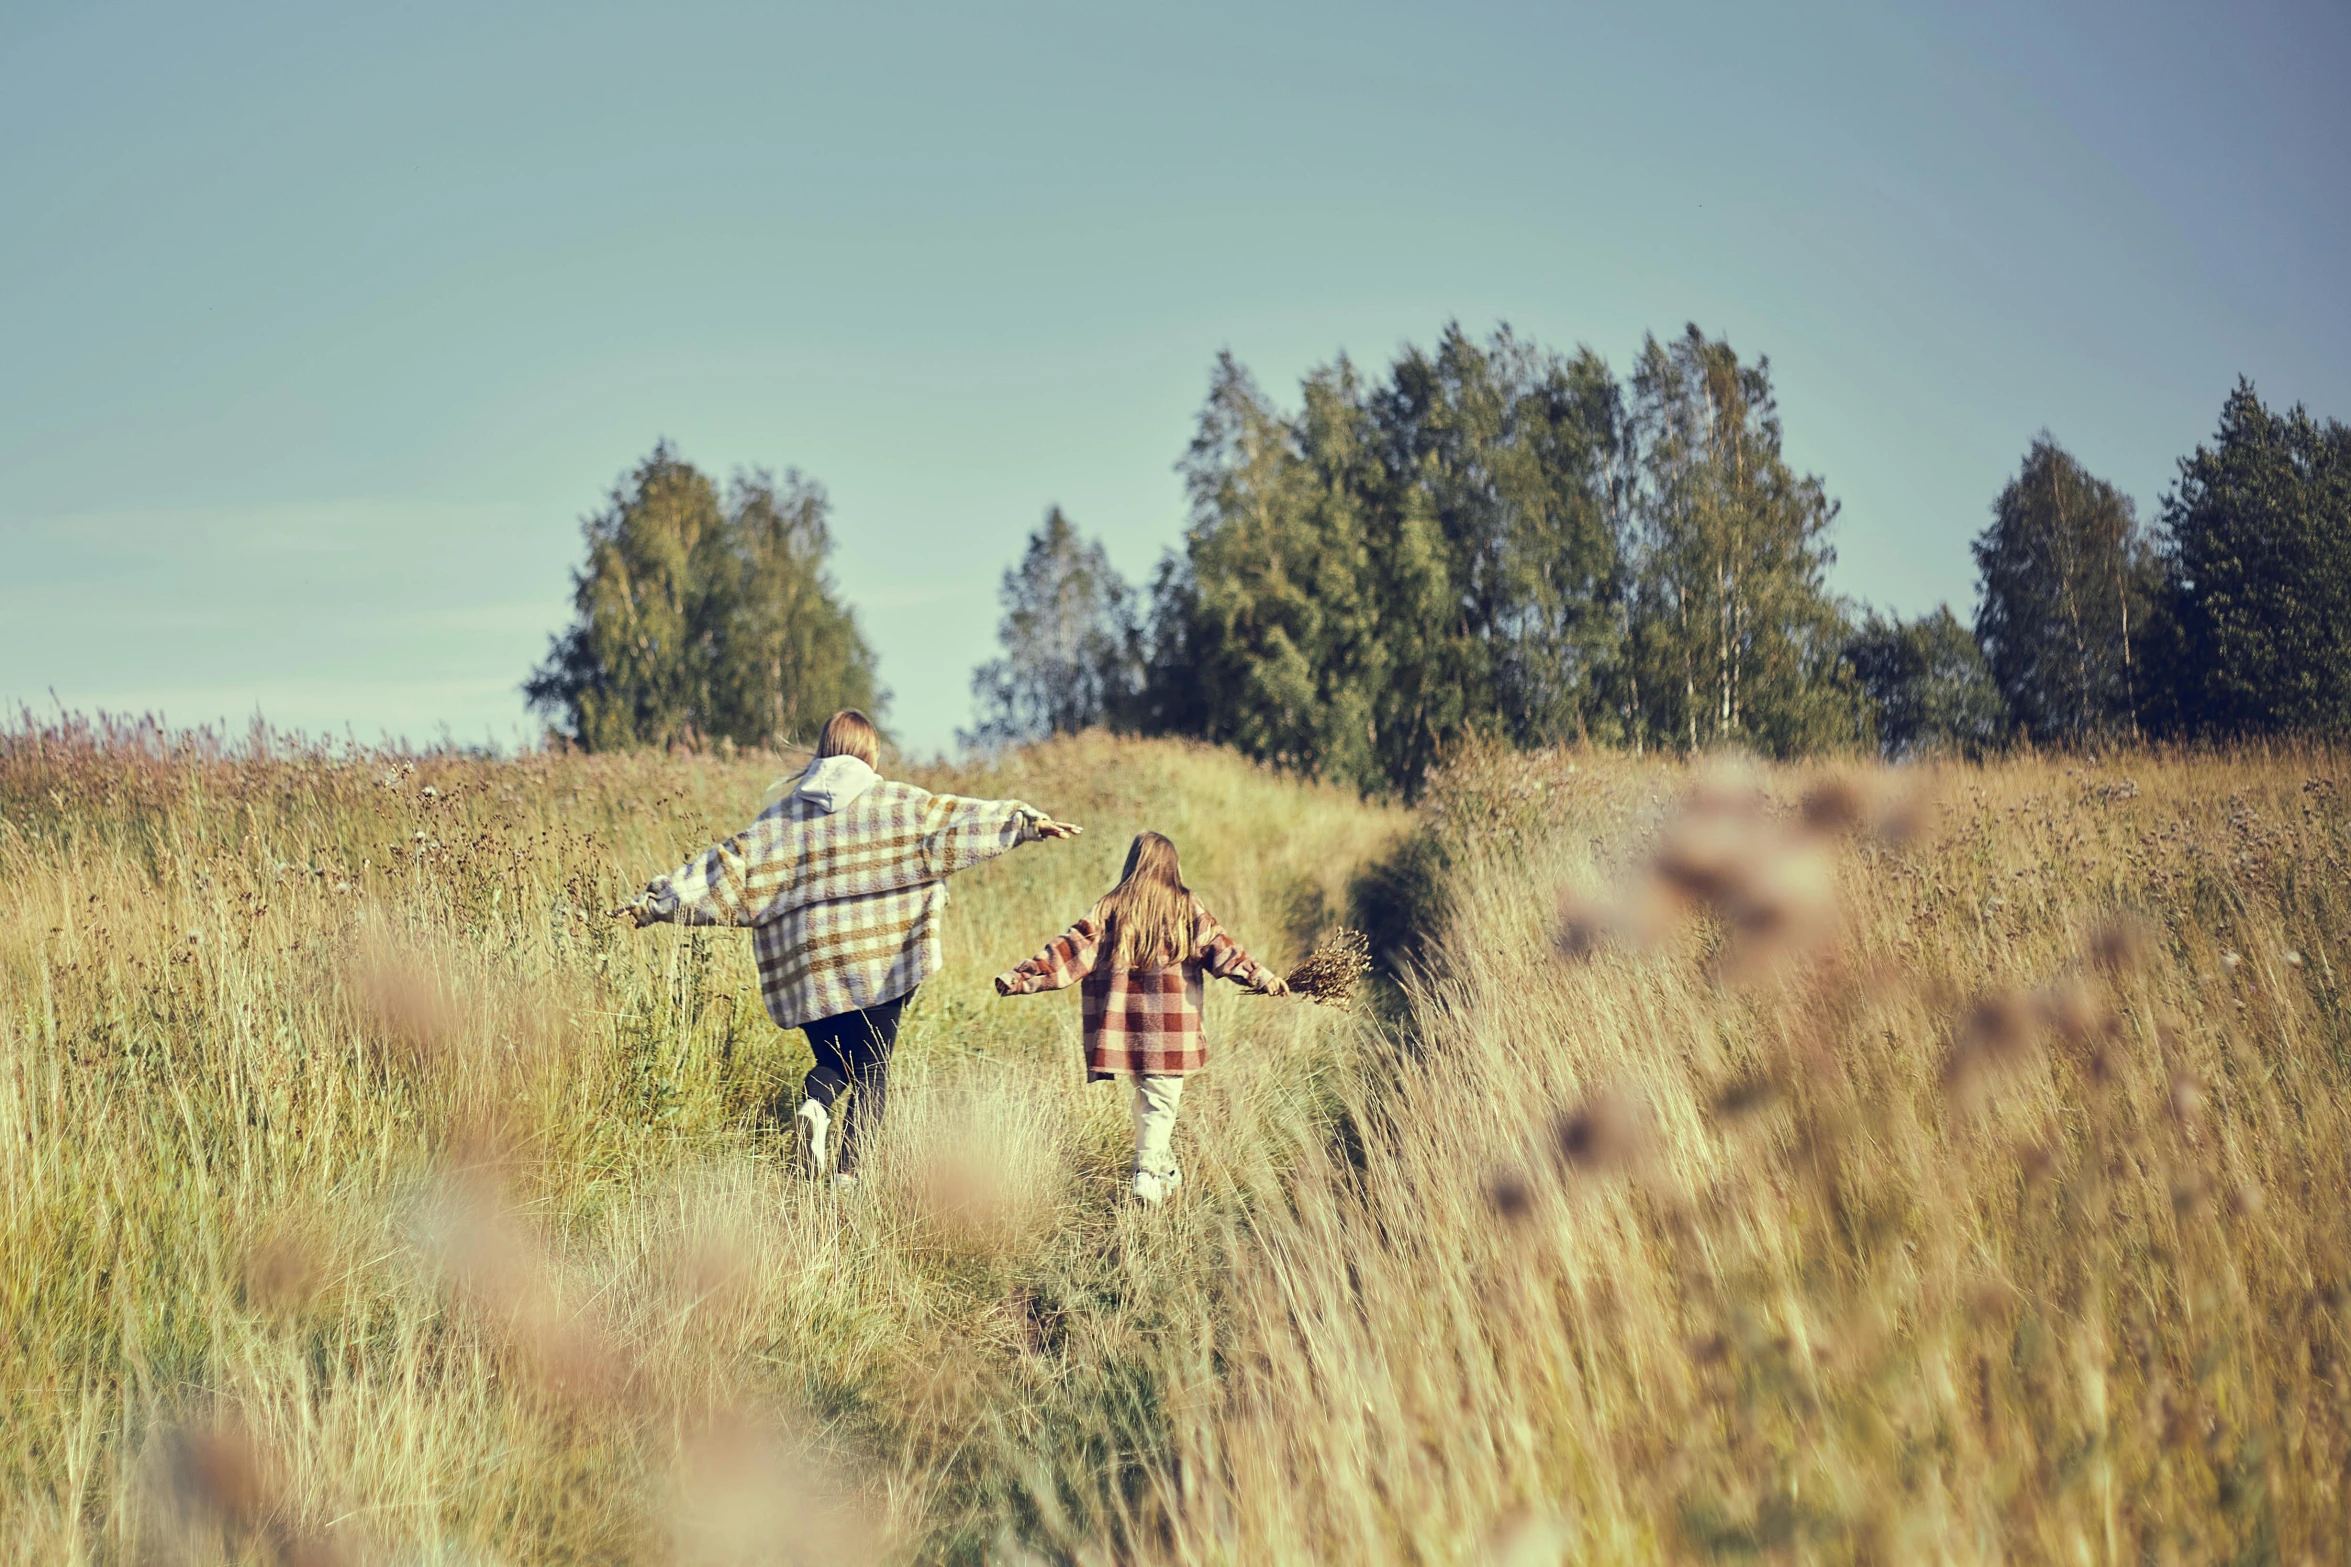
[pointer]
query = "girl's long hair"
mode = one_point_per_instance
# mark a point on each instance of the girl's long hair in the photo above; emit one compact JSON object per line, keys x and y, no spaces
{"x":1146,"y":920}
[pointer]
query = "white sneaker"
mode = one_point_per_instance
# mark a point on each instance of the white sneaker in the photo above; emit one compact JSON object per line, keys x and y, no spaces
{"x":811,"y":1123}
{"x":1150,"y":1190}
{"x":844,"y":1185}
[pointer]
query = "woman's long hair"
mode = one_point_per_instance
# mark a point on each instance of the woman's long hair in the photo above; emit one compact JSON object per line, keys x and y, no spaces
{"x":1146,"y":920}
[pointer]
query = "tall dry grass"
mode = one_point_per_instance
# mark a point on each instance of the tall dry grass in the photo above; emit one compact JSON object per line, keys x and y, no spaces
{"x":1950,"y":1167}
{"x":365,"y":1194}
{"x":1782,"y":1167}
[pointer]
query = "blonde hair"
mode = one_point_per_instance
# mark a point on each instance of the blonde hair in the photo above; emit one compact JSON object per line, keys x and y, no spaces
{"x":850,"y":733}
{"x":1147,"y":920}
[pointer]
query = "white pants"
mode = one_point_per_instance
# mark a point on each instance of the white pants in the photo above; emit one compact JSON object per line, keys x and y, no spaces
{"x":1156,"y":1099}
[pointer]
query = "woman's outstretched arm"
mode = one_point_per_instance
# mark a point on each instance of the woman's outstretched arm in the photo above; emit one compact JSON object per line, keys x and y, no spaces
{"x":960,"y":833}
{"x":713,"y":888}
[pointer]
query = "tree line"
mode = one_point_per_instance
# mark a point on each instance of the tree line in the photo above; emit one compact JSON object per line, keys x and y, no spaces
{"x":1492,"y":539}
{"x":1489,"y":538}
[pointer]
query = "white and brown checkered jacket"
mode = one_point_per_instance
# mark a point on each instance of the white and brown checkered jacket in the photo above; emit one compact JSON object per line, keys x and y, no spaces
{"x":1137,"y":1020}
{"x":844,"y":906}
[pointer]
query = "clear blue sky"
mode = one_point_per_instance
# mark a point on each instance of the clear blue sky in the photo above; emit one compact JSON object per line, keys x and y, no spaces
{"x":320,"y":327}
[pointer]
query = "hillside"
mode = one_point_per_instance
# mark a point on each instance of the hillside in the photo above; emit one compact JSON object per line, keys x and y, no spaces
{"x":353,"y":1168}
{"x":1790,"y":1166}
{"x":1945,"y":1166}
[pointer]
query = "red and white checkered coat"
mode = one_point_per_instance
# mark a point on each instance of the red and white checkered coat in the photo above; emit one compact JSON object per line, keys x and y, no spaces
{"x":1136,"y":1020}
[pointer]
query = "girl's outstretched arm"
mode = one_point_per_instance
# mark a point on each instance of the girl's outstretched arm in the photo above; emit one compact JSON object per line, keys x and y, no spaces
{"x":1067,"y":958}
{"x":1224,"y":957}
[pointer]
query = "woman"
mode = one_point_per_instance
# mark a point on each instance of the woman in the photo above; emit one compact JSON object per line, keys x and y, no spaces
{"x":843,"y":883}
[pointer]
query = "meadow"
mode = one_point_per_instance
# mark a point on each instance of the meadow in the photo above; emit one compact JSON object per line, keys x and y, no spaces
{"x":1818,"y":1164}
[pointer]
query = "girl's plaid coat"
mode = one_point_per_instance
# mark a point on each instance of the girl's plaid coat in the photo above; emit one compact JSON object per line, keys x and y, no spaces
{"x":1137,"y":1020}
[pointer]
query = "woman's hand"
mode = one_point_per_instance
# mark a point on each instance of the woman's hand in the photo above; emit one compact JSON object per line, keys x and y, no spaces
{"x":1049,"y":828}
{"x":634,"y":914}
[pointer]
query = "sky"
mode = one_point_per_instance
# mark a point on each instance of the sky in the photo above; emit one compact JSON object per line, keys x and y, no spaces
{"x":321,"y":328}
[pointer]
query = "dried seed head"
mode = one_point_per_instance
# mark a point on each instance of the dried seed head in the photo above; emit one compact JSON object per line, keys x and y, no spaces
{"x":1835,"y":804}
{"x":969,"y":1193}
{"x":2073,"y":1013}
{"x":1583,"y":926}
{"x":2191,"y":1193}
{"x":1604,"y":1134}
{"x":1785,"y":911}
{"x":742,"y":1487}
{"x":1999,"y":1034}
{"x":282,"y":1275}
{"x":221,"y":1475}
{"x":1333,"y":969}
{"x":2187,"y":1098}
{"x":1523,"y":1537}
{"x":2120,"y":946}
{"x":1745,"y":1097}
{"x":1511,"y":1197}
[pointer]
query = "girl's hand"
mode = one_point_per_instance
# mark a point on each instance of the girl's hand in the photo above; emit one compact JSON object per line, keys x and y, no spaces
{"x":1272,"y":985}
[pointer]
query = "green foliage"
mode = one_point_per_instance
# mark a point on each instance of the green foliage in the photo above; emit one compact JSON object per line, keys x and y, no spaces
{"x":1282,"y":627}
{"x":1072,"y":648}
{"x":1734,"y":636}
{"x":2255,"y":631}
{"x":1492,"y":541}
{"x":1516,"y":453}
{"x":1487,"y":542}
{"x":703,"y":618}
{"x":1927,"y":685}
{"x":2067,"y":584}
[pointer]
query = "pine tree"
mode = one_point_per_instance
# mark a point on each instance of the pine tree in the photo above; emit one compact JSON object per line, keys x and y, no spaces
{"x":1262,"y":626}
{"x":1071,"y":646}
{"x":2066,"y":584}
{"x":2257,"y":548}
{"x":1487,"y":540}
{"x":1399,"y":563}
{"x":699,"y":620}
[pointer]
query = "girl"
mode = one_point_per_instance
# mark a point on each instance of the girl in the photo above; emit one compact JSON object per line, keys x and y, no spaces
{"x":1141,"y":952}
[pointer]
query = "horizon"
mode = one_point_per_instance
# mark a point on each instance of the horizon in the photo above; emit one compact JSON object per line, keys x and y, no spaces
{"x":329,"y":332}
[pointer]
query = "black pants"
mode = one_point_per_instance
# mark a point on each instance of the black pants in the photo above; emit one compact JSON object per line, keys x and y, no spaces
{"x":853,"y":1052}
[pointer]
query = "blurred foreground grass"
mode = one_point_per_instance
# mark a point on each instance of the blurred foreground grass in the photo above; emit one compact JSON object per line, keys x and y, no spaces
{"x":1783,"y":1167}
